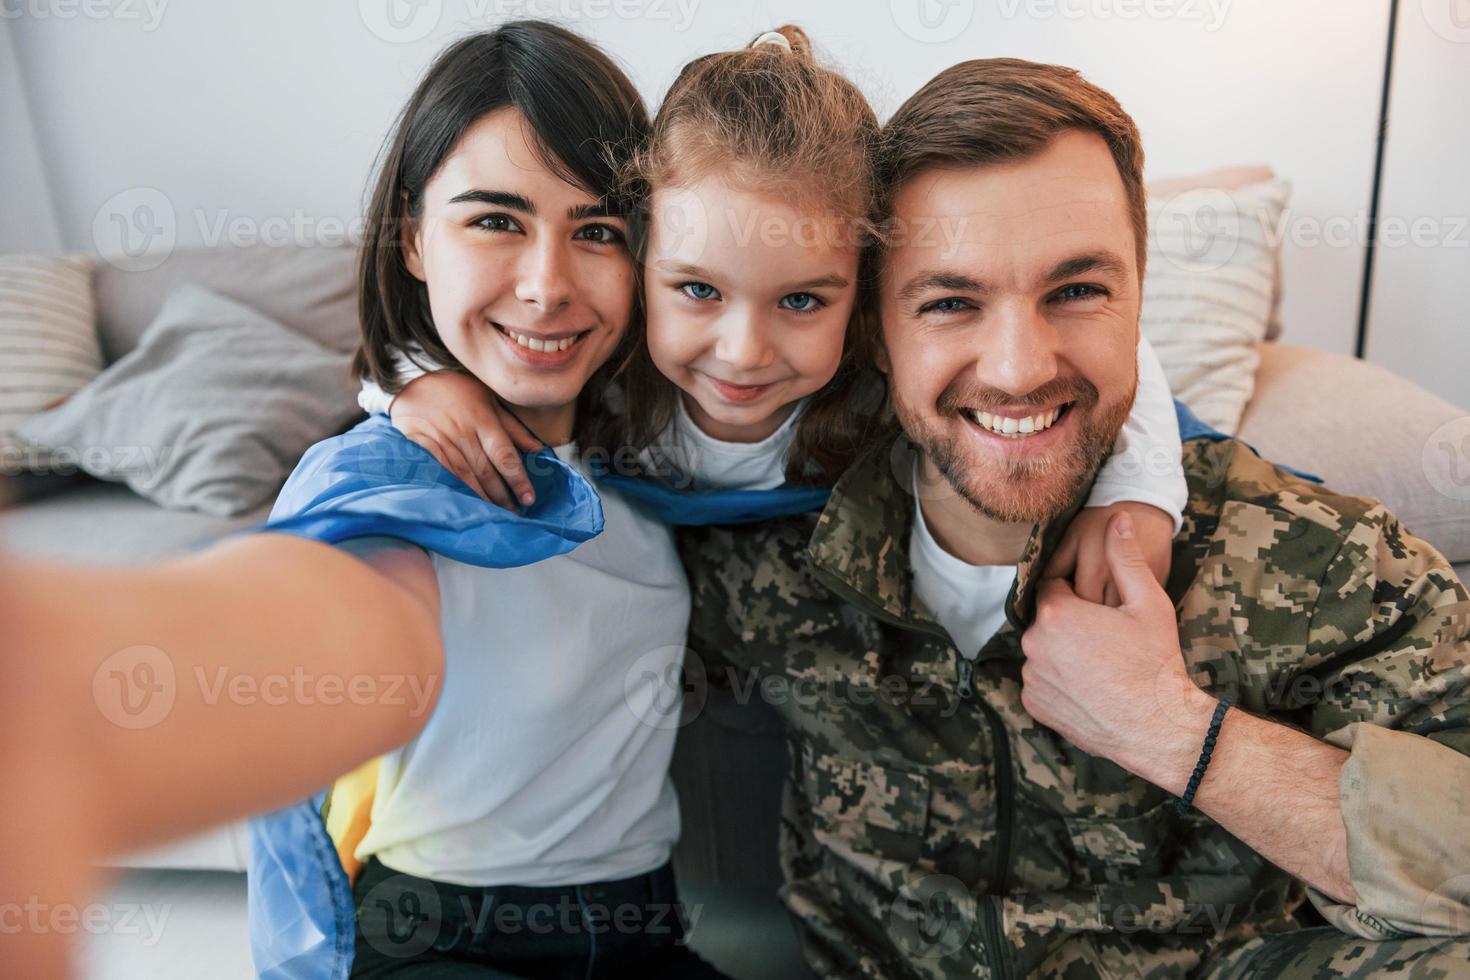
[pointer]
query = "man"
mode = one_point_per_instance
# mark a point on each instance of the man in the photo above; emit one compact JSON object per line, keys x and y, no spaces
{"x":986,"y":786}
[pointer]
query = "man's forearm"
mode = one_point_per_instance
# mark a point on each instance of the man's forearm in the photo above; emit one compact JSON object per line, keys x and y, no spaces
{"x":1273,"y":787}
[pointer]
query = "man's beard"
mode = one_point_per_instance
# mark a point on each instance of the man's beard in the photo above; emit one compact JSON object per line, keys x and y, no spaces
{"x":1040,"y":486}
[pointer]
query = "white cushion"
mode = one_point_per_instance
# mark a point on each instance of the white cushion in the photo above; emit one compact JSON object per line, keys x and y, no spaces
{"x":1210,"y":289}
{"x":48,"y":346}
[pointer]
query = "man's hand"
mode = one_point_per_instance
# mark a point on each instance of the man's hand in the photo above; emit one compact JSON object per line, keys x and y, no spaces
{"x":1113,"y":681}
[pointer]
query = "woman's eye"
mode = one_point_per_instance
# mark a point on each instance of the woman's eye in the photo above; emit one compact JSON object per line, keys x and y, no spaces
{"x":699,"y":290}
{"x":800,"y":302}
{"x":1078,"y":291}
{"x":601,"y":234}
{"x":952,"y":304}
{"x":496,"y":222}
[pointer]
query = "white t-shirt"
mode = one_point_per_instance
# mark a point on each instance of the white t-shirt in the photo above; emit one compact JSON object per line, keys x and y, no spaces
{"x":969,"y":601}
{"x":546,"y":759}
{"x":714,"y":464}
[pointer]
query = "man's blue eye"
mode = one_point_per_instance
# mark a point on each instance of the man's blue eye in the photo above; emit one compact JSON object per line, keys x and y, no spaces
{"x":799,"y":302}
{"x":950,"y":305}
{"x":1078,"y":290}
{"x":699,"y":290}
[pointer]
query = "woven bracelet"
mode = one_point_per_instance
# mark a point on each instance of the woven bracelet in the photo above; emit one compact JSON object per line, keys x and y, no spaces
{"x":1182,"y":804}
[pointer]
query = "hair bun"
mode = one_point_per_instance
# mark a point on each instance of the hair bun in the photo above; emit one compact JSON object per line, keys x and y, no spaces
{"x":787,"y":36}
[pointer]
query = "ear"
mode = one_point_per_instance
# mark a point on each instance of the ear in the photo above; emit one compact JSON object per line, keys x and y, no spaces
{"x":880,"y":358}
{"x":408,"y":240}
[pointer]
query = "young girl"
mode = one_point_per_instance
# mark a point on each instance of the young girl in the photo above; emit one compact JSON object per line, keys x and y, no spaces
{"x":759,"y":186}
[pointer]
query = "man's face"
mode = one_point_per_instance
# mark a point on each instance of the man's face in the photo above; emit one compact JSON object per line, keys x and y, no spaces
{"x":1010,"y":320}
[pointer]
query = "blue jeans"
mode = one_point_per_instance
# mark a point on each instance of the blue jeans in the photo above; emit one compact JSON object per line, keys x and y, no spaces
{"x":414,"y":927}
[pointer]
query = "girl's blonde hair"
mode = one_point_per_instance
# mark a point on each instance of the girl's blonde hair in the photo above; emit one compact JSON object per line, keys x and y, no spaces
{"x":768,"y":117}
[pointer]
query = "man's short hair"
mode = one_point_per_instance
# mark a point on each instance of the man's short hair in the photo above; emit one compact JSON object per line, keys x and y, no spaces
{"x":995,"y":110}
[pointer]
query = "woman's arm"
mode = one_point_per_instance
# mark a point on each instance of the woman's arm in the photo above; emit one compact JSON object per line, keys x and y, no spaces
{"x":208,"y":687}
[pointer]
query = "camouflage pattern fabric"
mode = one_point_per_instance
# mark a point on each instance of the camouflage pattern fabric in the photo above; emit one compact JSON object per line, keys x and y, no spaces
{"x":932,"y":829}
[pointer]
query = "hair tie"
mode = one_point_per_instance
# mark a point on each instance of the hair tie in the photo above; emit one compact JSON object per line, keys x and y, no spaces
{"x":775,"y":38}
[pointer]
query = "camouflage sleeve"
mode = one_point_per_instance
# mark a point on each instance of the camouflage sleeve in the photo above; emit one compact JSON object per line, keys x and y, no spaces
{"x":713,"y":638}
{"x":1391,"y":627}
{"x":750,"y":591}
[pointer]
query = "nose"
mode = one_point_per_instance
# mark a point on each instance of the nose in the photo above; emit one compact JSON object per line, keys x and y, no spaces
{"x":743,"y":343}
{"x":1018,"y":350}
{"x":543,"y":278}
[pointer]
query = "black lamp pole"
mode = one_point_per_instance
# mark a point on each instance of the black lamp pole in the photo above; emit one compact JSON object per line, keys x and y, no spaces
{"x":1362,"y":345}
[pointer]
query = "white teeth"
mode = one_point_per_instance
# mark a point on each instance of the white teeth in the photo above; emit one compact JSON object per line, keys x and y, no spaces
{"x":1016,"y":428}
{"x":537,"y":344}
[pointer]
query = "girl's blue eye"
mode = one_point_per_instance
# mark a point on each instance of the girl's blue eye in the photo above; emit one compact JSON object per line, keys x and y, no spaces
{"x":1079,"y":290}
{"x":800,"y":302}
{"x":699,"y":290}
{"x":496,"y":222}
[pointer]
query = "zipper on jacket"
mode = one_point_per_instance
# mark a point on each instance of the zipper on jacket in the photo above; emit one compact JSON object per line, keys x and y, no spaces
{"x":966,"y":670}
{"x":1004,"y":780}
{"x":1004,"y":813}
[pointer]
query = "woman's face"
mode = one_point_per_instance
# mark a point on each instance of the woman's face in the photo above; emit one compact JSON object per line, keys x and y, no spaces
{"x":529,"y":278}
{"x":748,"y":301}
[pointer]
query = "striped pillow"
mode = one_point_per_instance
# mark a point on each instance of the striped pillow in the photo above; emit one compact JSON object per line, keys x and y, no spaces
{"x":1209,"y":291}
{"x":48,"y":347}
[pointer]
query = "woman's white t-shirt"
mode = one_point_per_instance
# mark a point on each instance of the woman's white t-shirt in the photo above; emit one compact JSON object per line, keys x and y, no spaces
{"x":546,"y":761}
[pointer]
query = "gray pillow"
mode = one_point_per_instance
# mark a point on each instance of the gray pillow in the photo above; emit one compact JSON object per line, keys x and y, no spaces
{"x":211,"y":410}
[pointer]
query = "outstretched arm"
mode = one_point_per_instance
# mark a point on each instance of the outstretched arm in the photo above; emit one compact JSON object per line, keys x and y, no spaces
{"x":180,"y":694}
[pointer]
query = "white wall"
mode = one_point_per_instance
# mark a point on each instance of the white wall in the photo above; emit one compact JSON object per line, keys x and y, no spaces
{"x":274,"y":109}
{"x":1419,"y":315}
{"x":29,"y":223}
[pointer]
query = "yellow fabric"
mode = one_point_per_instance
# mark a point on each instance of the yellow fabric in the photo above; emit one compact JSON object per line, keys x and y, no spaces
{"x":349,"y":811}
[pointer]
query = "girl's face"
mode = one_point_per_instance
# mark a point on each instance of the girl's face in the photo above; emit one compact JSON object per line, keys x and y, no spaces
{"x":530,"y":281}
{"x":748,"y":301}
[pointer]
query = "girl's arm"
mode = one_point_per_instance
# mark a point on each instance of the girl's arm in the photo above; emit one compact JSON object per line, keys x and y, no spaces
{"x":461,"y":422}
{"x":1143,"y":476}
{"x":170,"y":697}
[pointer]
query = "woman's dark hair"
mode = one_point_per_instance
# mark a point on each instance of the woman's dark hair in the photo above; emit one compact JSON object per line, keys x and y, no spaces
{"x":587,"y":120}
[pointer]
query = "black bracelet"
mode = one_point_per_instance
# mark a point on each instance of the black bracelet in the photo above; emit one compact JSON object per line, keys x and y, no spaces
{"x":1181,"y":805}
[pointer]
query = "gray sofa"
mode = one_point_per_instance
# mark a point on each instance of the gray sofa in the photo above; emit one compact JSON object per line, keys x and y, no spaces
{"x":1364,"y":429}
